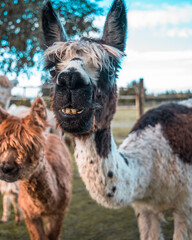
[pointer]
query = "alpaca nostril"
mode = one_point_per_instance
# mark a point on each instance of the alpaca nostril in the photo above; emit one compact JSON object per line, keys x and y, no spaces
{"x":68,"y":78}
{"x":8,"y":169}
{"x":64,"y":78}
{"x":72,"y":79}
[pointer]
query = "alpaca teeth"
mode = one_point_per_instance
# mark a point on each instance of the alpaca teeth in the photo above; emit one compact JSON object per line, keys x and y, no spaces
{"x":67,"y":110}
{"x":74,"y":111}
{"x":80,"y":111}
{"x":71,"y":111}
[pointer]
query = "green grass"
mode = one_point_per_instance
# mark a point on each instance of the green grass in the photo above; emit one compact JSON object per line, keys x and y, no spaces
{"x":123,"y":121}
{"x":125,"y":114}
{"x":85,"y":219}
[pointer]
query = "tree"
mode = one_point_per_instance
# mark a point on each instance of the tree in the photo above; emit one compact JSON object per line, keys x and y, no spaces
{"x":20,"y":29}
{"x":130,"y":89}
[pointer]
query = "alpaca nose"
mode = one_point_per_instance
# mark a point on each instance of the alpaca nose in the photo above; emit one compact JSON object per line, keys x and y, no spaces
{"x":8,"y":169}
{"x":71,"y":79}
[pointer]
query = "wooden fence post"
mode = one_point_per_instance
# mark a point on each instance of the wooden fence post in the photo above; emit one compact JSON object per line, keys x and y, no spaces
{"x":137,"y":101}
{"x":140,"y":98}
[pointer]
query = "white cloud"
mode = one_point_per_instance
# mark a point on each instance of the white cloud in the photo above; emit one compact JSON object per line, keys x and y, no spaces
{"x":172,"y":21}
{"x":182,"y":33}
{"x":99,"y":21}
{"x":161,"y":71}
{"x":133,"y":55}
{"x":166,"y":15}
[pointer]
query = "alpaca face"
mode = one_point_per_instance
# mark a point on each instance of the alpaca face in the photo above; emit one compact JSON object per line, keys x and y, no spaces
{"x":84,"y":71}
{"x":22,"y":143}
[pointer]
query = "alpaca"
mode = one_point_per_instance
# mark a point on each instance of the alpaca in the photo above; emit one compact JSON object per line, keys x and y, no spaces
{"x":5,"y":91}
{"x":10,"y":193}
{"x":42,"y":164}
{"x":152,"y":169}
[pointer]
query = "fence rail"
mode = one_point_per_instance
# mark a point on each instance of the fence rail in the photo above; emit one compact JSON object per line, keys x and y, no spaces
{"x":28,"y":92}
{"x":139,"y":100}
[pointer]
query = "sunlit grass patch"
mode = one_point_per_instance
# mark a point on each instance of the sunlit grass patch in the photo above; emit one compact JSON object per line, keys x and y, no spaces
{"x":125,"y":114}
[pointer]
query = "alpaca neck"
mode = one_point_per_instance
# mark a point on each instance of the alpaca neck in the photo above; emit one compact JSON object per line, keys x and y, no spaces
{"x":41,"y":186}
{"x":112,"y":177}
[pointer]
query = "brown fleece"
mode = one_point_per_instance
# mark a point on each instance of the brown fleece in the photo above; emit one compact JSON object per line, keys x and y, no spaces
{"x":45,"y":171}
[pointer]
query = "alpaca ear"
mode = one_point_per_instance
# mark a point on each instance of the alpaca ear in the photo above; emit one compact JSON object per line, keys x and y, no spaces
{"x":3,"y":115}
{"x":115,"y":28}
{"x":52,"y":28}
{"x":38,"y":112}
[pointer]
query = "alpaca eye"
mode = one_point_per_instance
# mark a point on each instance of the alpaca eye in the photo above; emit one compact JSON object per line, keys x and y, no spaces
{"x":52,"y":71}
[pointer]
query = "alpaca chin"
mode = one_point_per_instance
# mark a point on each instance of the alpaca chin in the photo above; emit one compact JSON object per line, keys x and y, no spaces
{"x":76,"y":124}
{"x":10,"y":177}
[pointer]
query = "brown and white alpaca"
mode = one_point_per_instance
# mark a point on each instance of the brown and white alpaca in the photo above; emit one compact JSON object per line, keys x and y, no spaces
{"x":152,"y":169}
{"x":42,"y":164}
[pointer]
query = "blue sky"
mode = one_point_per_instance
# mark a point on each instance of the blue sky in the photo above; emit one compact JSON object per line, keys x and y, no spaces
{"x":159,"y":45}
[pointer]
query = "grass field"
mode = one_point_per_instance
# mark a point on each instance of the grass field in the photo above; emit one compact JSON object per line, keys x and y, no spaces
{"x":86,"y":220}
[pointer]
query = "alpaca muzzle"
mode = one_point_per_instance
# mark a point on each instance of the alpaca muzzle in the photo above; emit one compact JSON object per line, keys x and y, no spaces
{"x":9,"y":169}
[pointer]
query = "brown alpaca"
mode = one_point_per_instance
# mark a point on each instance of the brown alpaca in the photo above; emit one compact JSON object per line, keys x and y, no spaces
{"x":42,"y":164}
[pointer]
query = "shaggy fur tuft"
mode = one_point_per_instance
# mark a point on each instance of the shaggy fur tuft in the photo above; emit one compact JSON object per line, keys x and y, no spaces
{"x":16,"y":133}
{"x":97,"y":54}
